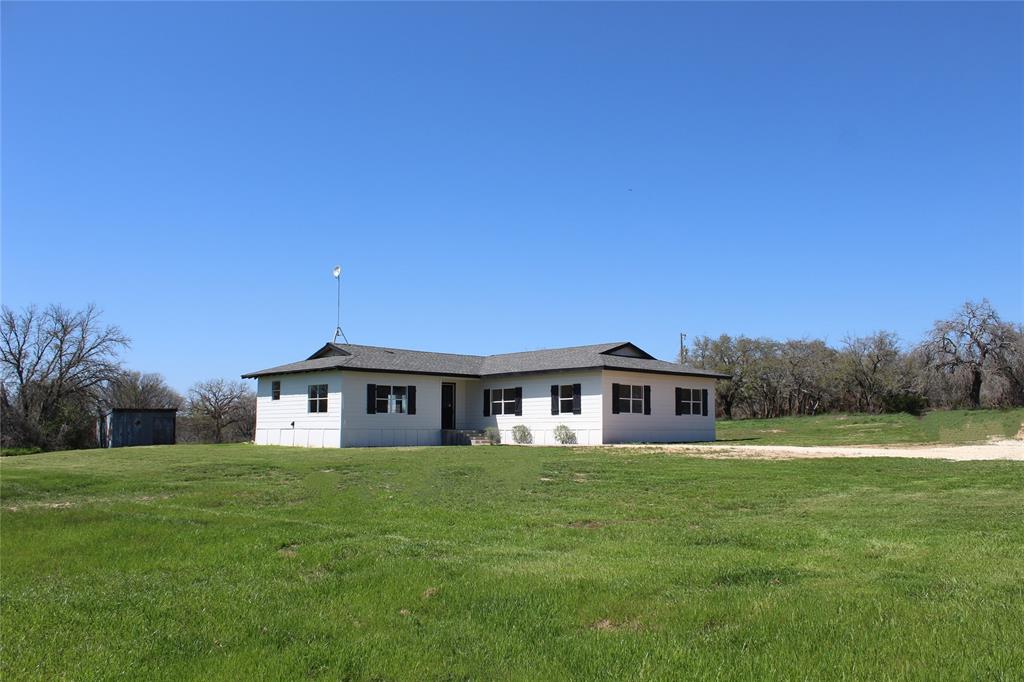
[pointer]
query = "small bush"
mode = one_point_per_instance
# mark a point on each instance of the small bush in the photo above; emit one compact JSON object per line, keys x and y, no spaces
{"x":911,"y":403}
{"x":521,"y":434}
{"x":564,"y":435}
{"x":15,"y":452}
{"x":492,"y":434}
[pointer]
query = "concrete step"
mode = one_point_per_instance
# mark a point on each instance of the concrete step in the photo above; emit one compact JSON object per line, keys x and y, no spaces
{"x":464,"y":437}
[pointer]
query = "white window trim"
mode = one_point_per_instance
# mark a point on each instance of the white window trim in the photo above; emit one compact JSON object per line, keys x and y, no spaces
{"x":562,"y":409}
{"x":633,"y":400}
{"x":695,"y":401}
{"x":505,"y":405}
{"x":320,"y":400}
{"x":396,"y":404}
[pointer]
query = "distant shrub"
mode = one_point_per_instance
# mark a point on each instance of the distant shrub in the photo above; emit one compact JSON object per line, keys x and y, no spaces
{"x":492,"y":434}
{"x":564,"y":435}
{"x":521,"y":434}
{"x":14,"y":452}
{"x":911,"y":403}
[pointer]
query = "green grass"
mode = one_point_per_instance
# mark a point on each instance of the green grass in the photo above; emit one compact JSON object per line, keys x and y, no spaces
{"x":238,"y":562}
{"x":953,"y":426}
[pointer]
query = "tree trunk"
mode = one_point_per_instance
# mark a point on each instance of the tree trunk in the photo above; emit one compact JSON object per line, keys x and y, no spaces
{"x":975,"y":396}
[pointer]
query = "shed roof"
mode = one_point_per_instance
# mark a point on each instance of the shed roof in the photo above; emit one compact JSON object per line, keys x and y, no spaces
{"x":142,"y":409}
{"x":621,"y":355}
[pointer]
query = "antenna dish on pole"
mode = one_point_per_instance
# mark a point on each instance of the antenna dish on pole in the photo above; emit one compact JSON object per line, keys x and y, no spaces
{"x":336,"y":273}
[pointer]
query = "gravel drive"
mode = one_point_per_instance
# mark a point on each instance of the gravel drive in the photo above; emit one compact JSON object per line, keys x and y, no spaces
{"x":1002,"y":449}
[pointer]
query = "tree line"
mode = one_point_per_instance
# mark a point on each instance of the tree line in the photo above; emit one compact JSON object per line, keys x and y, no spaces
{"x":973,"y":359}
{"x":61,"y":368}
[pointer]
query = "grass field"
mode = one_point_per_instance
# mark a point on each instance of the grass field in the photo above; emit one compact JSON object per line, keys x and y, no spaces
{"x":240,"y":562}
{"x":954,"y":426}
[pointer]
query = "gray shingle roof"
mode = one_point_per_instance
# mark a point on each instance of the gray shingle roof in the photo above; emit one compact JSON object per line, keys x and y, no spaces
{"x":378,"y":359}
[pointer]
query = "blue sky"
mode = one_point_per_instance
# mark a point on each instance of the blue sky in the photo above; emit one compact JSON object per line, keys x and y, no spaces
{"x":501,"y":177}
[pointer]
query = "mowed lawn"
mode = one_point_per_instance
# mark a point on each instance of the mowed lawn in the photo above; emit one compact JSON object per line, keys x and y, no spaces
{"x":940,"y":426}
{"x":243,"y":562}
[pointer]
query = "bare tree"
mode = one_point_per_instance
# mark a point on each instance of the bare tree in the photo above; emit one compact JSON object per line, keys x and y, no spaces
{"x":726,"y":355}
{"x":1008,"y":363}
{"x":141,"y":391}
{"x":245,"y":429}
{"x":53,"y":363}
{"x":967,"y":342}
{"x":222,"y":410}
{"x":809,"y":366}
{"x":874,"y":370}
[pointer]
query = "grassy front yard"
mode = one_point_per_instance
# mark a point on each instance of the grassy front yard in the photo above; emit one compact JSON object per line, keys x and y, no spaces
{"x":953,"y":426}
{"x":239,"y":562}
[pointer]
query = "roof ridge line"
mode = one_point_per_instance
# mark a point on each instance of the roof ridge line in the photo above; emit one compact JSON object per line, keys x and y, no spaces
{"x":408,"y":350}
{"x":541,"y":350}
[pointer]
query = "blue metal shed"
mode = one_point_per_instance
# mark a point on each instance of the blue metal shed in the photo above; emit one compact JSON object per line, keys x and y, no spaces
{"x":123,"y":427}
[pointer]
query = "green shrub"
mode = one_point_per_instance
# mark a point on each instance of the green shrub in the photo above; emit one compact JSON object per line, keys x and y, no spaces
{"x":521,"y":434}
{"x":14,"y":452}
{"x":492,"y":434}
{"x":911,"y":403}
{"x":564,"y":435}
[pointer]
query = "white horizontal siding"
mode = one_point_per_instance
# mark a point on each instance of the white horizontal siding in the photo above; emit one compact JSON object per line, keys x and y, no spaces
{"x":360,"y":429}
{"x":463,"y":389}
{"x":346,"y":422}
{"x":288,"y":421}
{"x":537,"y":407}
{"x":663,"y":425}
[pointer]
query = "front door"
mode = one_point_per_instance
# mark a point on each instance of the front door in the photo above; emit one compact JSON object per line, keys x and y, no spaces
{"x":447,"y":406}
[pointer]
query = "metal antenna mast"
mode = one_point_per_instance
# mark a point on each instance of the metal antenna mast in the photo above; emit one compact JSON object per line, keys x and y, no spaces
{"x":337,"y":328}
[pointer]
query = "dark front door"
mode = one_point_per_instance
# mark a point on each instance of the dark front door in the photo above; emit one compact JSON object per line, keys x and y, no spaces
{"x":447,"y":406}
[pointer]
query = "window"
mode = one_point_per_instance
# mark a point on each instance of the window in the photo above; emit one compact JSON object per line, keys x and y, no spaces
{"x":318,"y":397}
{"x":631,"y":399}
{"x":275,"y":390}
{"x":503,"y":401}
{"x":391,"y":399}
{"x":383,"y":399}
{"x":565,"y":398}
{"x":627,"y":399}
{"x":691,"y":401}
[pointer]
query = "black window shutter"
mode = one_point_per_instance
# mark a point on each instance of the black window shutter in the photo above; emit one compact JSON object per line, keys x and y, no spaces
{"x":704,"y":401}
{"x":679,"y":400}
{"x":519,"y":401}
{"x":615,"y":398}
{"x":371,"y":398}
{"x":487,"y":402}
{"x":577,"y":401}
{"x":411,"y":393}
{"x":647,"y":399}
{"x":554,"y":398}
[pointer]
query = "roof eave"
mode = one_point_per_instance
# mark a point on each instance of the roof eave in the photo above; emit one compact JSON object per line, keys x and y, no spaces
{"x":343,"y":368}
{"x":494,"y":375}
{"x":680,"y":373}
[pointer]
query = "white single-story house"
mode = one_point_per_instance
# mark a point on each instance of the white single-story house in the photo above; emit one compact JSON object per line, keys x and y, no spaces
{"x":347,"y":395}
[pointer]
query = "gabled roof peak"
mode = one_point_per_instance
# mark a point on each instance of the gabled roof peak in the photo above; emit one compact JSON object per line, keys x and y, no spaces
{"x":329,"y":350}
{"x":629,"y":349}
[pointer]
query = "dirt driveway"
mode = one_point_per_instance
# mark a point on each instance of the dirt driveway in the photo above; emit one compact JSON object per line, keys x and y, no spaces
{"x":1003,"y":449}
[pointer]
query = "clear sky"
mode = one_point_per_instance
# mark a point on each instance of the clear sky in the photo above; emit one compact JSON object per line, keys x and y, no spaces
{"x":502,"y":177}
